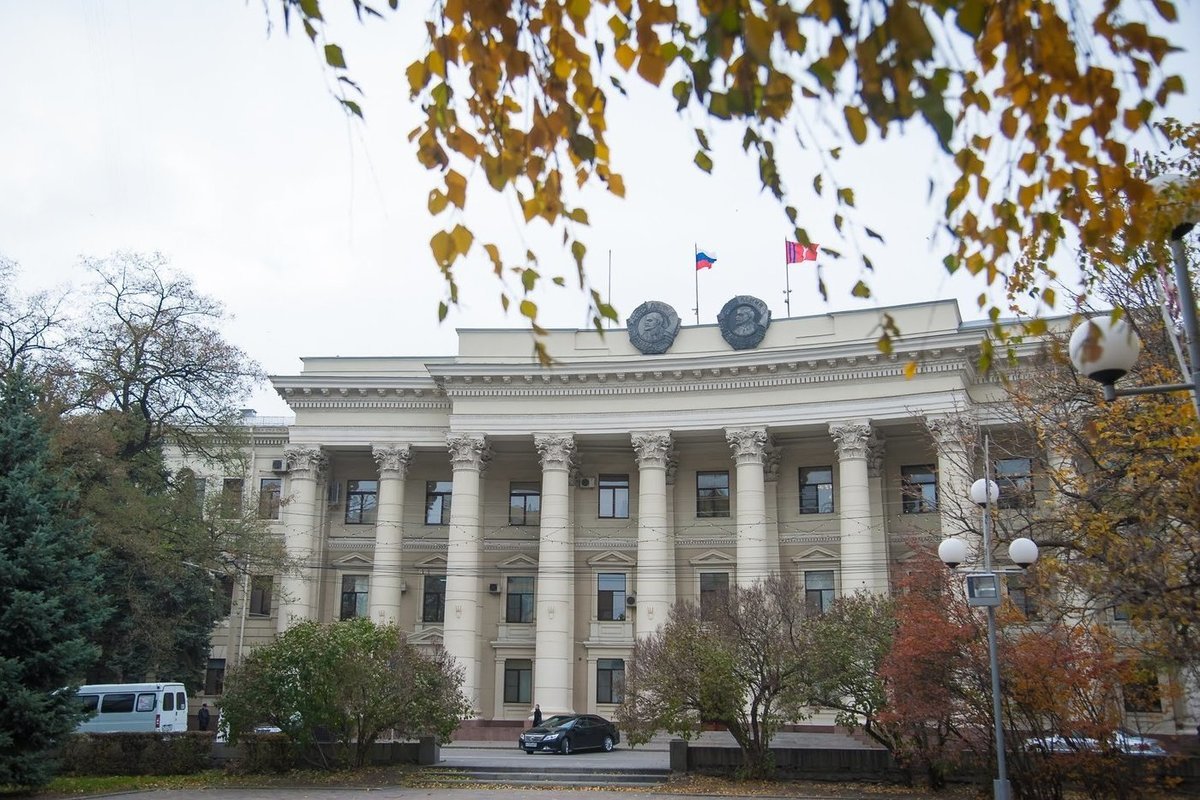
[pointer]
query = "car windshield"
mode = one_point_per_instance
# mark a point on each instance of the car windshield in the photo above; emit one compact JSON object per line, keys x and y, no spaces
{"x":557,"y":720}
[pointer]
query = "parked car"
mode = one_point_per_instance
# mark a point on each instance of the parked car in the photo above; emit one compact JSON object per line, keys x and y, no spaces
{"x":1130,"y":743}
{"x":566,"y":733}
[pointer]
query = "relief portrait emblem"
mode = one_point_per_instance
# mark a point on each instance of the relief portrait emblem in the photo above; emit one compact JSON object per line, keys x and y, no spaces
{"x":652,"y":327}
{"x":744,"y":321}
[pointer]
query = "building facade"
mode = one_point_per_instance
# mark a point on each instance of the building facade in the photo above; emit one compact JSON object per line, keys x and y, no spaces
{"x":536,"y":521}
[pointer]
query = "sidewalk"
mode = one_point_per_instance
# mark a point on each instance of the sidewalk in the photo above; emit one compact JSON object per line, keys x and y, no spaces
{"x":662,"y":741}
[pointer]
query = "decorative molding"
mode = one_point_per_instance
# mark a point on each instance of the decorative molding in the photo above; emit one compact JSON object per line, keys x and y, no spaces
{"x":652,"y":327}
{"x":611,"y":558}
{"x":816,"y":553}
{"x":810,"y":538}
{"x":774,"y":457}
{"x":672,"y":467}
{"x":304,"y":462}
{"x":744,"y":321}
{"x":713,"y":558}
{"x":519,"y":561}
{"x":555,"y":450}
{"x":957,"y":432}
{"x":850,"y":439}
{"x":651,"y":448}
{"x":749,"y":445}
{"x":393,"y":458}
{"x":877,"y":451}
{"x":468,"y":450}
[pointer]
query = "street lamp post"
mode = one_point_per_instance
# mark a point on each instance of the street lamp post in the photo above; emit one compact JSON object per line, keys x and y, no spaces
{"x":1104,"y":350}
{"x":983,"y":589}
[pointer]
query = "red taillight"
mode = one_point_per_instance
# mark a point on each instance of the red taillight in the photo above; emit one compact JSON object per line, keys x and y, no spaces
{"x":157,"y":721}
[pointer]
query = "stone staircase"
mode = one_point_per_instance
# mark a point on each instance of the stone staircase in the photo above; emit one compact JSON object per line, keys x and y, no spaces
{"x":541,"y":775}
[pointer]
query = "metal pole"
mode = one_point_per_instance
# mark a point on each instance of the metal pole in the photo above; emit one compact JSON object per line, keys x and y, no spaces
{"x":1000,"y":785}
{"x":1187,"y":310}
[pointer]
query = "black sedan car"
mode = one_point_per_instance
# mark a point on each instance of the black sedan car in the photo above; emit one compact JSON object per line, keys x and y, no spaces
{"x":566,"y":733}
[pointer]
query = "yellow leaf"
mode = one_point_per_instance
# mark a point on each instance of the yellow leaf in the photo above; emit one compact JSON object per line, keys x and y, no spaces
{"x":652,"y":67}
{"x":443,"y":248}
{"x":856,"y":123}
{"x":910,"y":370}
{"x":456,"y":188}
{"x":462,"y":239}
{"x":625,"y":56}
{"x":529,"y":309}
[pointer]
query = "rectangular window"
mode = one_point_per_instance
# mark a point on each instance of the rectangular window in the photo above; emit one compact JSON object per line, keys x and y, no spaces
{"x":614,"y":497}
{"x":433,"y":606}
{"x":214,"y":677}
{"x":519,"y":599}
{"x":437,"y":502}
{"x":816,"y":490}
{"x":712,"y":494}
{"x":117,"y":703}
{"x":610,"y":596}
{"x":231,"y":498}
{"x":147,"y":702}
{"x":224,"y":595}
{"x":270,"y":493}
{"x":1141,"y":691}
{"x":714,"y":586}
{"x":518,"y":680}
{"x":1014,"y":476}
{"x":261,"y":588}
{"x":525,"y":504}
{"x":354,"y":596}
{"x":168,"y":701}
{"x":818,"y":591}
{"x":1120,"y":613}
{"x":1021,"y":596}
{"x":918,"y":488}
{"x":610,"y":680}
{"x":362,"y":500}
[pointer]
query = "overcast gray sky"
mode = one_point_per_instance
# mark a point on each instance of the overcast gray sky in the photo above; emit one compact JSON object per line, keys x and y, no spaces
{"x":184,"y":127}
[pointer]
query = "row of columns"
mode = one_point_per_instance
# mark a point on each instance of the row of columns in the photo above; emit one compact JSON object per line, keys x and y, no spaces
{"x":863,"y":550}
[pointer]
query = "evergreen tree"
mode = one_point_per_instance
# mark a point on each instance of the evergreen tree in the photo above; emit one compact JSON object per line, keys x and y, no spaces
{"x":49,"y":598}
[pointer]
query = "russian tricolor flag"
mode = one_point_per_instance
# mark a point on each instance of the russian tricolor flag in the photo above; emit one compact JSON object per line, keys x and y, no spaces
{"x":704,"y":260}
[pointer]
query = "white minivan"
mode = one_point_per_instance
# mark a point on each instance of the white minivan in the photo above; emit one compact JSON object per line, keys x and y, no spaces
{"x":145,"y":707}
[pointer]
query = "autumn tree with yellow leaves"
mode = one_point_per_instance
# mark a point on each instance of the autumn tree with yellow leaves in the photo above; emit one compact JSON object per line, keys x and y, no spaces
{"x":1034,"y":103}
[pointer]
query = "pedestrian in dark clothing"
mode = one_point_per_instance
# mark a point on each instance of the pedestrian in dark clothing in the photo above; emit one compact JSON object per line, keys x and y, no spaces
{"x":537,"y":715}
{"x":203,"y":716}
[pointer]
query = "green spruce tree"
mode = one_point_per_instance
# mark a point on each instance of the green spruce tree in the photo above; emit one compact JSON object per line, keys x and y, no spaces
{"x":49,"y":600}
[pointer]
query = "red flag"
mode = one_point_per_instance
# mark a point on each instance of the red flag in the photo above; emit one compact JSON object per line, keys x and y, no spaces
{"x":794,"y":252}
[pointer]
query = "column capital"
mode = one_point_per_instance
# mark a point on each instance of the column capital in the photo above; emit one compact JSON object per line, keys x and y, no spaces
{"x":774,"y":456}
{"x":555,"y":450}
{"x":304,"y":461}
{"x":392,"y":458}
{"x":749,"y":445}
{"x":672,"y":467}
{"x":653,"y":448}
{"x":850,"y":438}
{"x":468,"y":450}
{"x":953,"y":431}
{"x":877,"y":449}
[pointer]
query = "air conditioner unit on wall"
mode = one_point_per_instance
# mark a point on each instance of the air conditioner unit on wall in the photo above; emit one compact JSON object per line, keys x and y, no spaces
{"x":279,"y":465}
{"x":588,"y":482}
{"x":631,"y":600}
{"x":493,"y":588}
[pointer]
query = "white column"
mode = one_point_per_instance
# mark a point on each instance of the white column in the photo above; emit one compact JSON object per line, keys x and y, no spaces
{"x":955,"y":438}
{"x":879,"y":524}
{"x":672,"y":579}
{"x":387,"y":576}
{"x":771,"y":497}
{"x":656,"y":551}
{"x":555,"y":643}
{"x":854,"y":505}
{"x":749,"y":453}
{"x":301,"y":581}
{"x":461,"y":630}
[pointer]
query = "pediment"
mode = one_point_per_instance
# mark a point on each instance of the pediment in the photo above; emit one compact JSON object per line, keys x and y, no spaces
{"x":428,"y":636}
{"x":352,"y":561}
{"x":713,"y":558}
{"x":437,"y":562}
{"x":815,"y":554}
{"x":611,"y":558}
{"x":519,"y":561}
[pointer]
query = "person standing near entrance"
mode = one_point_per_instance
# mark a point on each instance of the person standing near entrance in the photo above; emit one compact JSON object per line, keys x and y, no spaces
{"x":202,"y":717}
{"x":537,"y":715}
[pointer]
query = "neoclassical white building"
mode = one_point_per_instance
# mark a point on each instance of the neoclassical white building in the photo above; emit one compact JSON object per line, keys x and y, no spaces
{"x":536,"y":521}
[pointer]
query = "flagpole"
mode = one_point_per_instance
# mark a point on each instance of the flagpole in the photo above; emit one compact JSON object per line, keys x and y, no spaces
{"x":695,"y":257}
{"x":787,"y":281}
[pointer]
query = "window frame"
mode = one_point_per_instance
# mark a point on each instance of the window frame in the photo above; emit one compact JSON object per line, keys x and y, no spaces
{"x":522,"y":683}
{"x":1143,"y":694}
{"x":917,"y":502}
{"x":713,"y":594}
{"x":270,"y":500}
{"x":611,"y":606}
{"x":1016,"y":487}
{"x":444,"y":497}
{"x":710,"y":502}
{"x":360,"y":593}
{"x":1020,"y":595}
{"x":817,"y":507}
{"x":819,"y":599}
{"x":615,"y":691}
{"x":526,"y":491}
{"x":612,"y":485}
{"x":214,"y":677}
{"x":427,"y":596}
{"x":362,"y":505}
{"x":262,"y":589}
{"x":233,"y":495}
{"x":525,"y":608}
